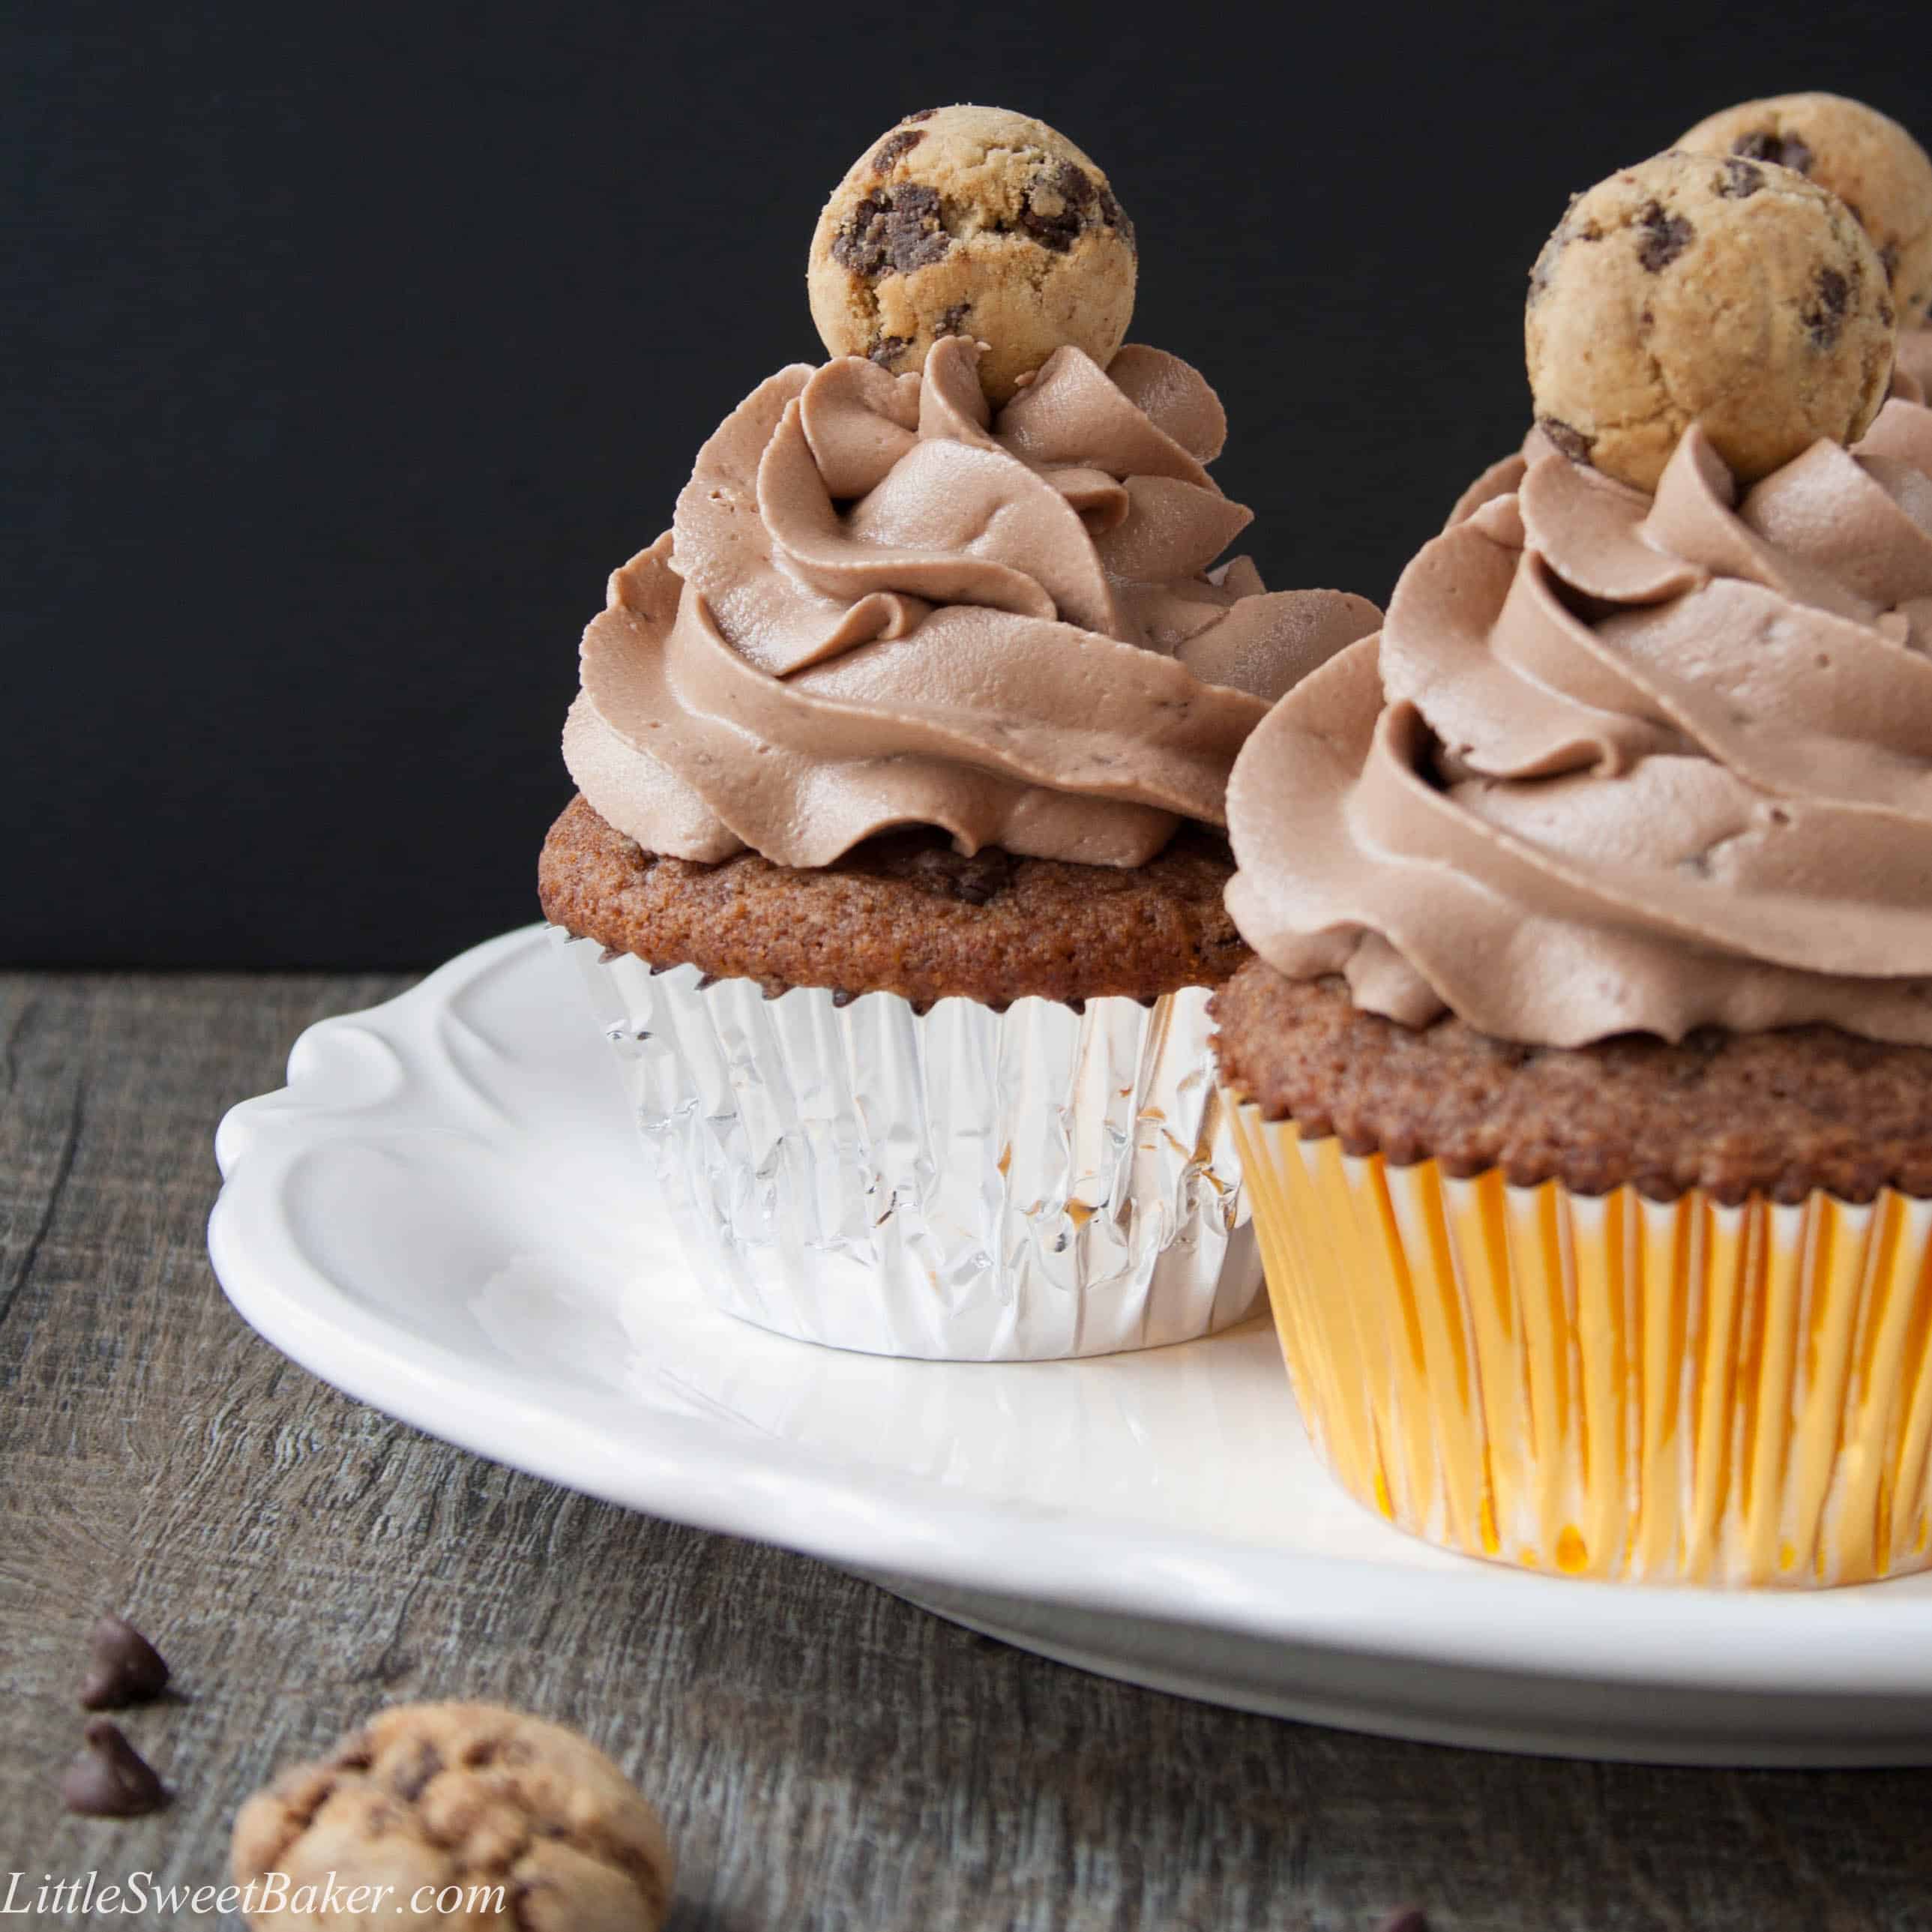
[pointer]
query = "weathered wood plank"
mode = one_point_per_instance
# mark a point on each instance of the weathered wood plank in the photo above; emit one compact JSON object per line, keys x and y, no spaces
{"x":826,"y":1756}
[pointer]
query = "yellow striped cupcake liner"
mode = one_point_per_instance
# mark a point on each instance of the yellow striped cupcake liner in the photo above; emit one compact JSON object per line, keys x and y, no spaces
{"x":1606,"y":1386}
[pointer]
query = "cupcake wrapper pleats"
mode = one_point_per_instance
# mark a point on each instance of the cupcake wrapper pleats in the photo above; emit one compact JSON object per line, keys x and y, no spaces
{"x":1606,"y":1386}
{"x":958,"y":1184}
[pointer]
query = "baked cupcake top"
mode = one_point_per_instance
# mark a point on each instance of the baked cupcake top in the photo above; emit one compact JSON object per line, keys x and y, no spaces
{"x":883,"y":603}
{"x":1623,"y":760}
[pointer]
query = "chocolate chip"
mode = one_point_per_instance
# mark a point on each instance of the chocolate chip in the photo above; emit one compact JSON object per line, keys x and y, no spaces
{"x":1831,"y":301}
{"x":945,"y":873}
{"x":888,"y":350}
{"x":110,"y":1779}
{"x":409,"y":1780}
{"x":892,"y":231}
{"x":1888,"y":257}
{"x":1740,"y":178}
{"x":1886,"y":315}
{"x":1665,"y":236}
{"x":1572,"y":442}
{"x":953,"y":322}
{"x":892,"y":146}
{"x":1115,"y":216}
{"x":1782,"y":150}
{"x":127,"y":1668}
{"x":982,"y":877}
{"x":924,"y":114}
{"x":1056,"y":206}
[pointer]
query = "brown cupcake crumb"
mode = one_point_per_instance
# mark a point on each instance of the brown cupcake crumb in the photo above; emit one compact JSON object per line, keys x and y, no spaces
{"x":904,"y":913}
{"x":1735,"y":1114}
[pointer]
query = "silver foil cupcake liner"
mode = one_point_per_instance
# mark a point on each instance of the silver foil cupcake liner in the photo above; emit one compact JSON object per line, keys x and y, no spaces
{"x":957,"y":1184}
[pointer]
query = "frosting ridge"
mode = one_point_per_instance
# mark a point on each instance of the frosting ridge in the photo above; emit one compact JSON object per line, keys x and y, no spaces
{"x":1620,"y":763}
{"x":879,"y":604}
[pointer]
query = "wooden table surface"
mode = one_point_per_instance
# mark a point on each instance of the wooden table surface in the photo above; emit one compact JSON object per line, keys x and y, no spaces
{"x":825,"y":1755}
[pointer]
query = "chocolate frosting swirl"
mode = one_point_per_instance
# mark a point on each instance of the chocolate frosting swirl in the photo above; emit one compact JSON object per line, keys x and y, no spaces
{"x":878,"y":606}
{"x":1620,"y":763}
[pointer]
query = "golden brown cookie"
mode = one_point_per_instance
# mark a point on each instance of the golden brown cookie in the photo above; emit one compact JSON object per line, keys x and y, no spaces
{"x":973,"y":221}
{"x":471,"y":1815}
{"x":1726,"y":292}
{"x":1864,"y":158}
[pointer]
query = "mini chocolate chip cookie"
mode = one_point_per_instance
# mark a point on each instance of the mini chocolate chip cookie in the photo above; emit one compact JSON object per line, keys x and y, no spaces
{"x":973,"y":221}
{"x":1723,"y":291}
{"x":1864,"y":158}
{"x":484,"y":1817}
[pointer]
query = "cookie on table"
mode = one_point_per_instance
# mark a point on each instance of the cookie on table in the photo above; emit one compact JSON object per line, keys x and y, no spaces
{"x":1723,"y":291}
{"x":1864,"y":158}
{"x":459,"y":1799}
{"x":973,"y":221}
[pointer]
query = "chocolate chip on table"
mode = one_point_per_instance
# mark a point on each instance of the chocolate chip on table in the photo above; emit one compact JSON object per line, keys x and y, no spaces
{"x":127,"y":1668}
{"x":1741,"y":179}
{"x":1782,"y":150}
{"x":1665,"y":236}
{"x":110,"y":1779}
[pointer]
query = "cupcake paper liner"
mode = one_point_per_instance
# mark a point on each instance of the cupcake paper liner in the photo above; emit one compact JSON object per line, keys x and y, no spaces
{"x":959,"y":1185}
{"x":1607,"y":1387}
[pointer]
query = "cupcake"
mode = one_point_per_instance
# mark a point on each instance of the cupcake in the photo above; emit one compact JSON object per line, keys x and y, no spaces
{"x":1873,"y":166}
{"x":902,"y":762}
{"x":1583,"y":1077}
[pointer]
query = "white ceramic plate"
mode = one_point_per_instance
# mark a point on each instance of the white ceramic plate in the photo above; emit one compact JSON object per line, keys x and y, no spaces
{"x":444,"y":1213}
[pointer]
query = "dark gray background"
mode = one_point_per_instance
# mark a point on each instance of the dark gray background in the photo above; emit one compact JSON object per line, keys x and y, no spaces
{"x":357,"y":346}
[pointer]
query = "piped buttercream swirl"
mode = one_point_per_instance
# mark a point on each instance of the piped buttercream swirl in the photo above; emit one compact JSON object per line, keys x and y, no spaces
{"x":1915,"y":362}
{"x":1624,"y":763}
{"x":880,"y":606}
